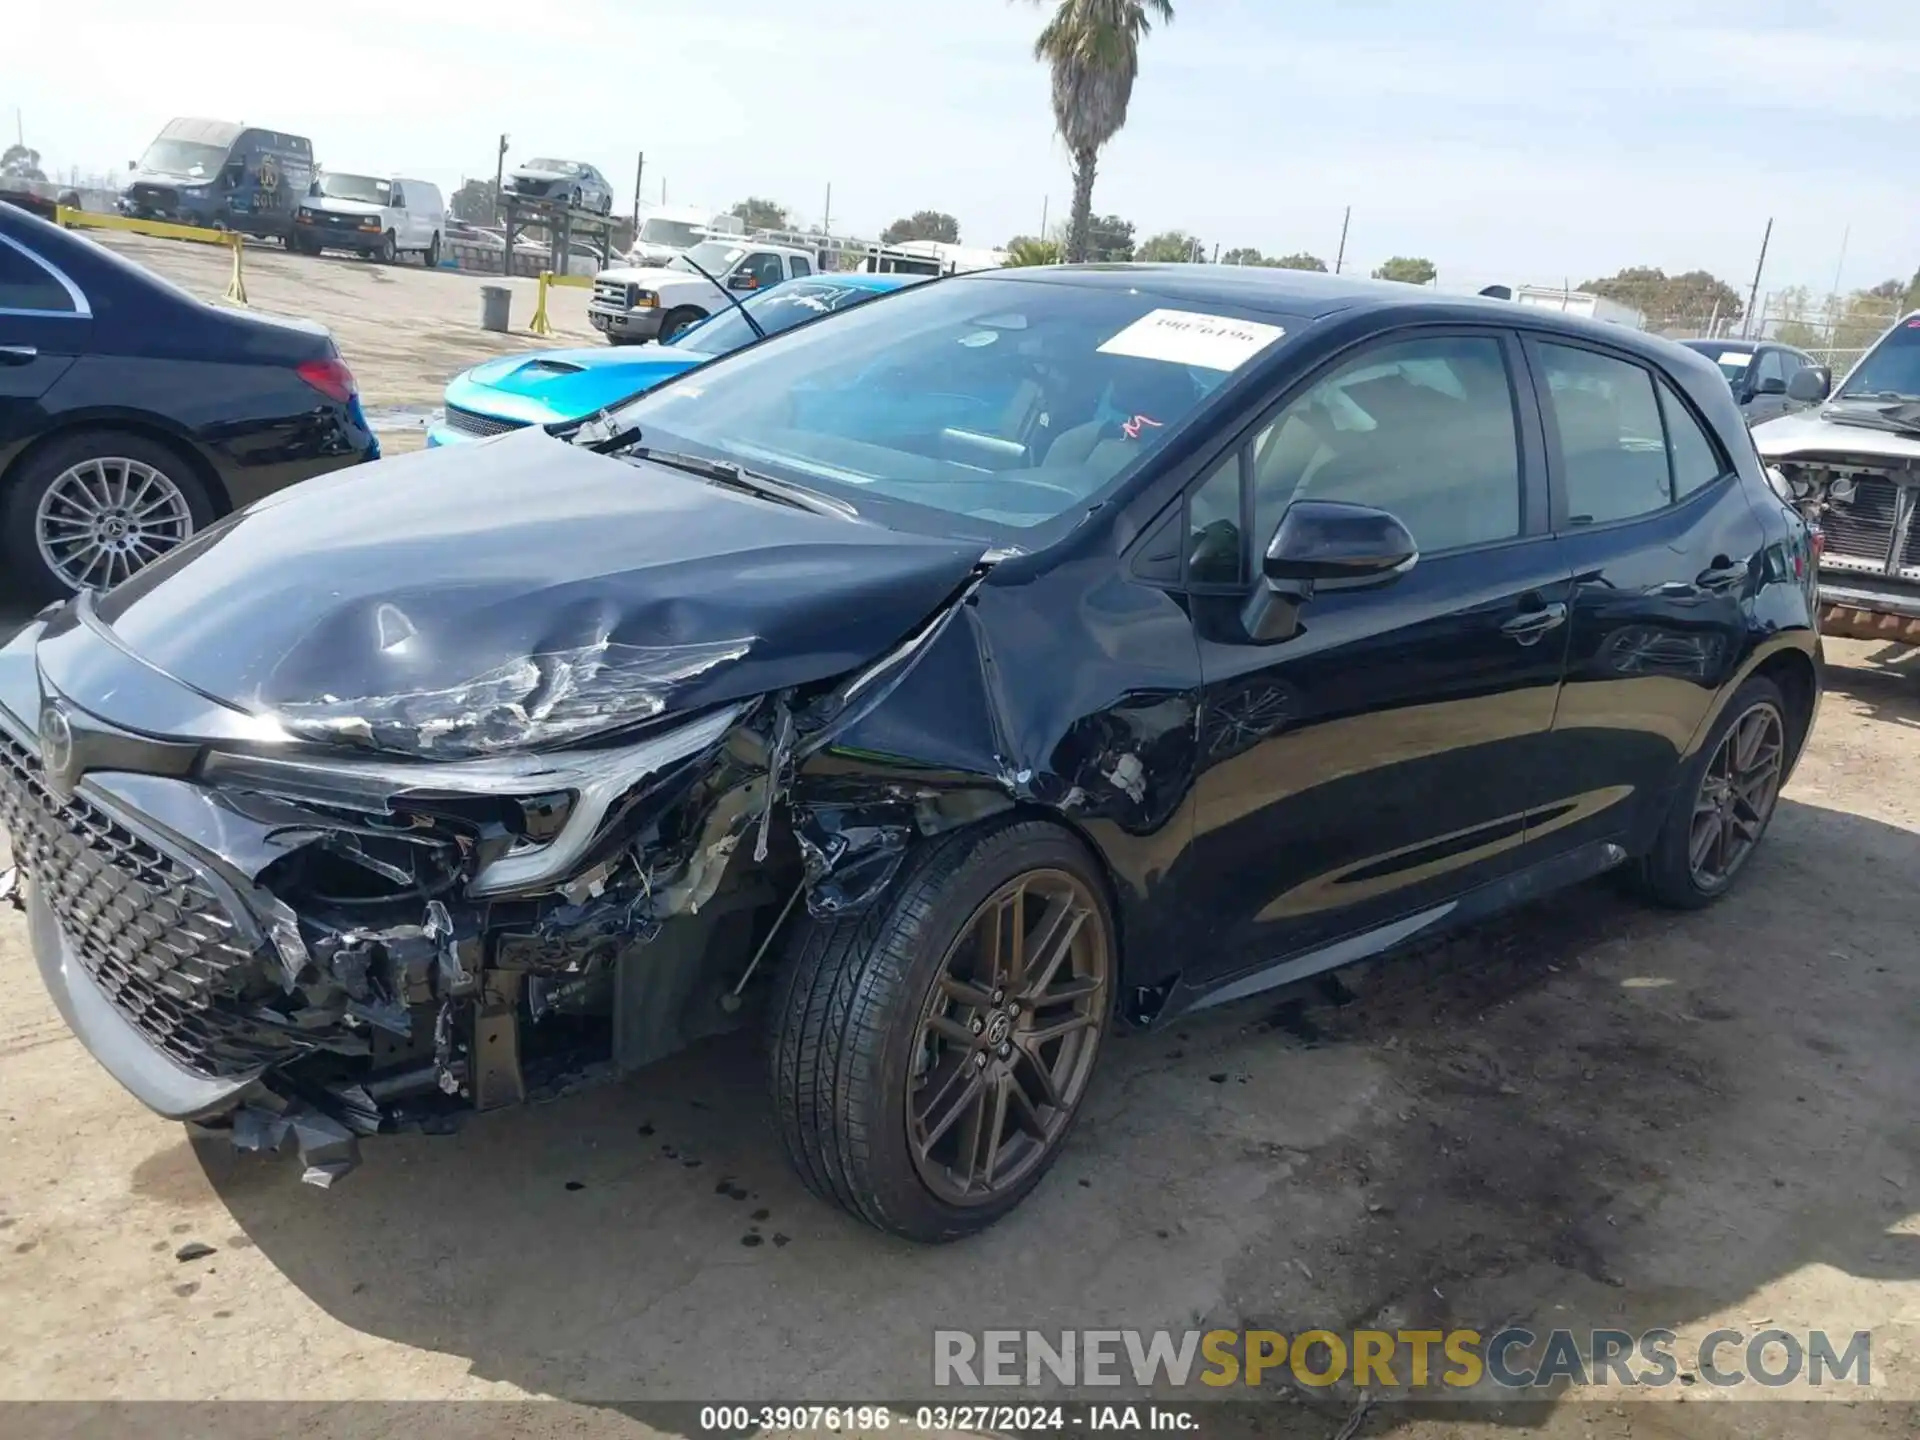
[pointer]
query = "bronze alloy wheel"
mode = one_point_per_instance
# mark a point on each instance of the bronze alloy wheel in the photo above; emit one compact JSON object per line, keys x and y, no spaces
{"x":1008,"y":1036}
{"x":1736,"y":795}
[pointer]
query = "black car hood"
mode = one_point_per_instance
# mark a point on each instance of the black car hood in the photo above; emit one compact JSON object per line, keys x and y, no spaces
{"x":512,"y":594}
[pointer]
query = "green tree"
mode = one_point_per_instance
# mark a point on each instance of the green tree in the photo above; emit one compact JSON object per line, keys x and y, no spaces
{"x":1093,"y":50}
{"x":1689,"y":301}
{"x":758,"y":214}
{"x":1912,"y":299}
{"x":1243,"y":255}
{"x":1171,"y":245}
{"x":1109,"y":238}
{"x":1408,"y":270}
{"x":1300,"y":260}
{"x":18,"y":162}
{"x":923,"y":225}
{"x":475,"y":203}
{"x":1025,"y":250}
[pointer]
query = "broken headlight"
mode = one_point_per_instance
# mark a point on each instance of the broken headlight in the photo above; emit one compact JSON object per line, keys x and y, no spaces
{"x":562,"y":799}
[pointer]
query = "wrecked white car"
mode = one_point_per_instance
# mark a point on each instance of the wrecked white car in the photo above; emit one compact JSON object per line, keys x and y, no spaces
{"x":1853,"y":468}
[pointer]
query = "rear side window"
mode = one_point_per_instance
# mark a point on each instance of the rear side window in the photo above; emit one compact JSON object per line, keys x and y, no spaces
{"x":1613,"y":449}
{"x":1696,"y":460}
{"x":26,"y":284}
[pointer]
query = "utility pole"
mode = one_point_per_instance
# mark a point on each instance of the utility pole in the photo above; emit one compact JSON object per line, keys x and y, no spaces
{"x":1340,"y":258}
{"x":1043,"y":218}
{"x":826,"y":215}
{"x":1216,"y":252}
{"x":1753,"y":295}
{"x":499,"y":173}
{"x":639,"y":169}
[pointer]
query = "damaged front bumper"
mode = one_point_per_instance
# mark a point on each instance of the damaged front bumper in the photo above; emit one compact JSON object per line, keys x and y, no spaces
{"x":303,"y":945}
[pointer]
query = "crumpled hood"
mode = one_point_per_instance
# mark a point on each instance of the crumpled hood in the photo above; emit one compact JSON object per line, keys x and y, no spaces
{"x":1809,"y":432}
{"x":553,"y":385}
{"x":516,"y":593}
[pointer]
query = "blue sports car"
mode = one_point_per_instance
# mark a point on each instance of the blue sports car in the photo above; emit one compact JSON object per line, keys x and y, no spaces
{"x":541,"y":387}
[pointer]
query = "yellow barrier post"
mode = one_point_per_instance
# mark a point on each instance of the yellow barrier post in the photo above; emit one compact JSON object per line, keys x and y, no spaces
{"x":540,"y":325}
{"x":237,"y":287}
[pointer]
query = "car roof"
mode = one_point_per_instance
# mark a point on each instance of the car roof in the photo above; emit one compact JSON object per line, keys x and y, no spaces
{"x":1313,"y":295}
{"x":1704,"y":343}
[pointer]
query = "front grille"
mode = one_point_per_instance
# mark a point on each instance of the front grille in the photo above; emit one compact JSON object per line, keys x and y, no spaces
{"x":152,"y":934}
{"x":156,"y":195}
{"x":615,"y":293}
{"x":1861,"y":528}
{"x":472,"y":422}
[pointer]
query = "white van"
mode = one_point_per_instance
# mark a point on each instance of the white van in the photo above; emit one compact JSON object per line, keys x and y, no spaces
{"x":372,"y":215}
{"x":666,"y":231}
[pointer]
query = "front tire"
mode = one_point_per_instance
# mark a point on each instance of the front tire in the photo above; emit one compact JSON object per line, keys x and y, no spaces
{"x":90,"y":509}
{"x":387,"y":250}
{"x":433,"y":252}
{"x":678,"y":320}
{"x":930,"y":1056}
{"x":1722,"y":808}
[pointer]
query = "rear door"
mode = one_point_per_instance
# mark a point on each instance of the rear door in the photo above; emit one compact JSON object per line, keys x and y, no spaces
{"x":1664,"y":550}
{"x":45,"y":322}
{"x":1382,"y":759}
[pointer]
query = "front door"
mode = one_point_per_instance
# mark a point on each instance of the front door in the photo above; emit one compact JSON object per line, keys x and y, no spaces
{"x":1383,"y":758}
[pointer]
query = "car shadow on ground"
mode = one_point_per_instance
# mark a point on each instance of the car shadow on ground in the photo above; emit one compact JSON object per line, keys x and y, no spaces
{"x":1585,"y":1114}
{"x":1884,"y":679}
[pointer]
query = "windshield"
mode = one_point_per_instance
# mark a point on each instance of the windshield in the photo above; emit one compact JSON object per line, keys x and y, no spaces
{"x":1733,"y":363}
{"x":716,"y":257}
{"x":677,"y":233}
{"x":989,"y":403}
{"x":1891,"y":369}
{"x":184,"y":157}
{"x":354,"y":187}
{"x":557,"y":167}
{"x":780,"y":308}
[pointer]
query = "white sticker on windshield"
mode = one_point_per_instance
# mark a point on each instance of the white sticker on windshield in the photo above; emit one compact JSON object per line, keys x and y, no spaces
{"x":1186,"y":337}
{"x":1735,"y":359}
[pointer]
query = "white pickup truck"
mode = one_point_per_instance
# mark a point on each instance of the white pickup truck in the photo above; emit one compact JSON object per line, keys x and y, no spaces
{"x":634,"y":303}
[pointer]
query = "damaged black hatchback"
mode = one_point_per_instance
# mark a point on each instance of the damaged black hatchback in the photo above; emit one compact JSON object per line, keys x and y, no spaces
{"x":939,"y":687}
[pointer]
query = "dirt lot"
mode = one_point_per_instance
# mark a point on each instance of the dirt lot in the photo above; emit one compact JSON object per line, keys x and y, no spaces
{"x":1585,"y":1115}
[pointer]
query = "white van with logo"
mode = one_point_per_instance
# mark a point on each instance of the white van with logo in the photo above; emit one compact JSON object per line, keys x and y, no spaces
{"x":373,"y":215}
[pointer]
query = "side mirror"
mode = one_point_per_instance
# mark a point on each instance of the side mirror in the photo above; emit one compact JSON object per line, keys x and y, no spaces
{"x":1323,"y":544}
{"x":742,"y":281}
{"x":1327,"y":542}
{"x":1811,"y":385}
{"x":1772,"y":385}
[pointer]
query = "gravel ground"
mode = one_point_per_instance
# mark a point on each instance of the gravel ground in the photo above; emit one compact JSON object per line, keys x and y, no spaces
{"x":1586,"y":1114}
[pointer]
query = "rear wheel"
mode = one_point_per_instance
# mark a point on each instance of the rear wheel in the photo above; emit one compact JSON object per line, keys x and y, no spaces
{"x":1723,"y":807}
{"x":90,"y":509}
{"x":930,"y":1056}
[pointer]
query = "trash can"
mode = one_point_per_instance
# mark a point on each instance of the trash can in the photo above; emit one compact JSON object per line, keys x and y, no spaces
{"x":494,"y":300}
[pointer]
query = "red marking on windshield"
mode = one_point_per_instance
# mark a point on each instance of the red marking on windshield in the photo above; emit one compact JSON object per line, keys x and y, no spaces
{"x":1132,"y":428}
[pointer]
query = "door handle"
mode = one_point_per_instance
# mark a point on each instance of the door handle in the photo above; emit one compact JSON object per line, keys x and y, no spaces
{"x":18,"y":354}
{"x":1724,"y":574}
{"x":1532,"y":624}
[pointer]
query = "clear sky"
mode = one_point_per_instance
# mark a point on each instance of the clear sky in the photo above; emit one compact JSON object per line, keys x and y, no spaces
{"x":1530,"y":140}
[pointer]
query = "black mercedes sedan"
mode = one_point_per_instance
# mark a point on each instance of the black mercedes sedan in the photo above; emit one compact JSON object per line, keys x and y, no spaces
{"x":133,"y":415}
{"x":1024,"y":655}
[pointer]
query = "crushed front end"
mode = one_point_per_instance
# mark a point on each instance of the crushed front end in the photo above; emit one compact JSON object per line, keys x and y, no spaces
{"x":281,"y":926}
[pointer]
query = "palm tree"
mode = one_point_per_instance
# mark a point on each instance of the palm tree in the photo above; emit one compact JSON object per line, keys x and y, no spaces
{"x":1093,"y":47}
{"x":1028,"y":251}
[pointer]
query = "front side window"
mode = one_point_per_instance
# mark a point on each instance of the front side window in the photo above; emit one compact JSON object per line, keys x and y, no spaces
{"x":1215,"y":553}
{"x":1613,"y":448}
{"x":1423,"y":429}
{"x":989,"y":402}
{"x":1891,"y":370}
{"x":1772,"y":366}
{"x":26,"y":284}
